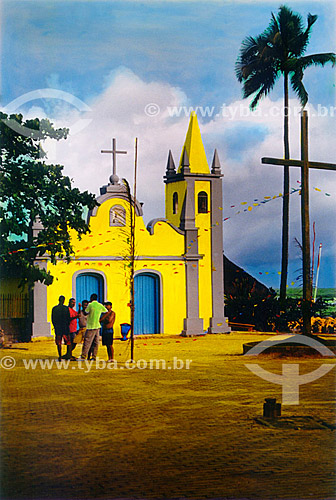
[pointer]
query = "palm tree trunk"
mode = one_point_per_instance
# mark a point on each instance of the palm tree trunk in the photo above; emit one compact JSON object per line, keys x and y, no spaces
{"x":285,"y":206}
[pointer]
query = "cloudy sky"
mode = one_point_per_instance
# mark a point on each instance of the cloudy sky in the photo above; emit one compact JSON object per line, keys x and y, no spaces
{"x":136,"y":68}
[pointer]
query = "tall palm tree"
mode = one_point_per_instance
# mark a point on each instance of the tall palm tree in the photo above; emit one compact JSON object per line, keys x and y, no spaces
{"x":262,"y":60}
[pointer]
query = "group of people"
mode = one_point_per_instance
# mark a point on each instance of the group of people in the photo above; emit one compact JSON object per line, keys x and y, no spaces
{"x":92,"y":317}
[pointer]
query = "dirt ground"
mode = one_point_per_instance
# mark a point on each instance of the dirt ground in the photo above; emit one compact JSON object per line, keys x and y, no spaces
{"x":118,"y":433}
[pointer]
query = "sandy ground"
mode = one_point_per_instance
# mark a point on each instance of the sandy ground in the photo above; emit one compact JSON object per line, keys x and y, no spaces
{"x":161,"y":433}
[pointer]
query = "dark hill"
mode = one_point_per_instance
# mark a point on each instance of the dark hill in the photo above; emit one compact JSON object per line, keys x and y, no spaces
{"x":235,"y":277}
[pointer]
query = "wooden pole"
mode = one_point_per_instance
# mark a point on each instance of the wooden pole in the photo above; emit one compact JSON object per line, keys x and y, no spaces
{"x":313,"y":260}
{"x":306,"y":303}
{"x":317,"y":271}
{"x":114,"y":159}
{"x":133,"y":248}
{"x":305,"y":165}
{"x":285,"y":200}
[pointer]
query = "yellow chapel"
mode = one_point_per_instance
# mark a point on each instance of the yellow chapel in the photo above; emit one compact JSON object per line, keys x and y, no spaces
{"x":178,"y":277}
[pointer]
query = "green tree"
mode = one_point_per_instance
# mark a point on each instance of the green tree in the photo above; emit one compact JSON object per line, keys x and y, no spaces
{"x":262,"y":60}
{"x":30,"y":191}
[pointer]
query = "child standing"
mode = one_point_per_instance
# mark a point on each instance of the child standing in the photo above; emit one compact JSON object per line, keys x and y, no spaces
{"x":107,"y":321}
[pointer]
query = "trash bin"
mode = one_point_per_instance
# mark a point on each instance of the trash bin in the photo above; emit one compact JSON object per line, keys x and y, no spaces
{"x":124,"y":329}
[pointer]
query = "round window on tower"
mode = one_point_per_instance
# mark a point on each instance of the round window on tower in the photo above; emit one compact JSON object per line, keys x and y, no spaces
{"x":117,"y":216}
{"x":202,"y":203}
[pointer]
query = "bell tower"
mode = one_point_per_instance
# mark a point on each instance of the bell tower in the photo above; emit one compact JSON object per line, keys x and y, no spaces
{"x":194,"y":205}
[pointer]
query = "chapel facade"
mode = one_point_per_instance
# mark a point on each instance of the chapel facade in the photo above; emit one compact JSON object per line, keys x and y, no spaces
{"x":178,"y":260}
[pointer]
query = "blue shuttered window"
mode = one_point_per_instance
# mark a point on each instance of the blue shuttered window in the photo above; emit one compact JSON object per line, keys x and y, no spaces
{"x":87,"y":284}
{"x":147,"y":304}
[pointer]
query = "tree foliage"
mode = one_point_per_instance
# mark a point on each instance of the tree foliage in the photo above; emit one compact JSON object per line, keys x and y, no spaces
{"x":32,"y":191}
{"x":278,"y":51}
{"x":23,"y":137}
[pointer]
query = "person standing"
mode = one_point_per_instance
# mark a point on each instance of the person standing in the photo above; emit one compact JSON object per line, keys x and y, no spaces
{"x":73,"y":324}
{"x":60,"y":318}
{"x":91,"y":338}
{"x":107,"y":321}
{"x":82,"y":320}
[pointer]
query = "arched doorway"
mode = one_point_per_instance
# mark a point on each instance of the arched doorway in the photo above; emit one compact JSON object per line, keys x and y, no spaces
{"x":87,"y":284}
{"x":147,"y":303}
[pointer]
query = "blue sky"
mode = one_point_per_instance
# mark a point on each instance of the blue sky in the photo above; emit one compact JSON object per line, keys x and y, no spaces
{"x":189,"y":48}
{"x":193,"y":45}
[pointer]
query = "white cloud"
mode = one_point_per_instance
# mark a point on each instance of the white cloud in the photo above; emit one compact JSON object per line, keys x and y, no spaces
{"x":251,"y":237}
{"x":120,"y":112}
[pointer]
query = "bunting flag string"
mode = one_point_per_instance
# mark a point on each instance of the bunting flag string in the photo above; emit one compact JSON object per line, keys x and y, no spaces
{"x":320,"y":191}
{"x":29,"y":248}
{"x":25,"y":249}
{"x":176,"y":269}
{"x":258,"y":202}
{"x":269,"y":273}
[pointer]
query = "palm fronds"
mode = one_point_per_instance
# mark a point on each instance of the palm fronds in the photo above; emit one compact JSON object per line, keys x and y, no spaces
{"x":298,"y":87}
{"x":278,"y":50}
{"x":317,"y":60}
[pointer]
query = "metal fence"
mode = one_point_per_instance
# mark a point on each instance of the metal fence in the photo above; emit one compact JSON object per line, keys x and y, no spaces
{"x":14,"y":305}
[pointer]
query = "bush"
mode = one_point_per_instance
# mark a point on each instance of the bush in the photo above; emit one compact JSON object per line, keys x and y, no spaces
{"x":267,"y":313}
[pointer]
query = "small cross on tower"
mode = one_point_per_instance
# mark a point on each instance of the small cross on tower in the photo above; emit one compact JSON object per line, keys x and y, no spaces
{"x":305,"y":165}
{"x":114,"y":179}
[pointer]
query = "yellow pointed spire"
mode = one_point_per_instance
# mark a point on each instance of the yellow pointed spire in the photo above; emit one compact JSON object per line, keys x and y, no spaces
{"x":194,"y":147}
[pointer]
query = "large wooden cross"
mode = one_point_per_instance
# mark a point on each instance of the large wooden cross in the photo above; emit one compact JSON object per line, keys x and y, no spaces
{"x":114,"y":153}
{"x":305,"y":164}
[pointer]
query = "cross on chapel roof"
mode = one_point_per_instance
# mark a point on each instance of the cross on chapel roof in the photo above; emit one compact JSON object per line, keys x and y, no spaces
{"x":114,"y":179}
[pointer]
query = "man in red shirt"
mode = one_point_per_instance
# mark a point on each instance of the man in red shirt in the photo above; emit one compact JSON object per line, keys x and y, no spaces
{"x":73,"y":324}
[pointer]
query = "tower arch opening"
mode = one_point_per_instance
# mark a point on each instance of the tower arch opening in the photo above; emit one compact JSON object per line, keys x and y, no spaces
{"x":175,"y":203}
{"x":202,"y":202}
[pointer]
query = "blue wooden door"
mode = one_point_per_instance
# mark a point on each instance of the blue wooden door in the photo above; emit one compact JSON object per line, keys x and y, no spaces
{"x":147,"y":304}
{"x":87,"y":284}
